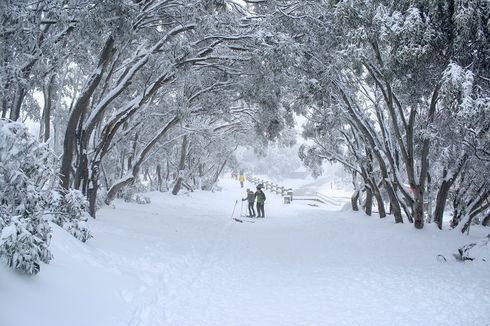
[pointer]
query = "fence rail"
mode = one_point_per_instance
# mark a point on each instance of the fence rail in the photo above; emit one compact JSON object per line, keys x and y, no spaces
{"x":285,"y":192}
{"x":316,"y":196}
{"x":299,"y":194}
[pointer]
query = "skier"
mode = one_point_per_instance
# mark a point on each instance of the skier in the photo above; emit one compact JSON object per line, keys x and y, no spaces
{"x":259,"y":194}
{"x":251,"y":200}
{"x":241,"y":179}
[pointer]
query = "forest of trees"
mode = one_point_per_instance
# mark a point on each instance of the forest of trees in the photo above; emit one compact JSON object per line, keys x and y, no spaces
{"x":127,"y":96}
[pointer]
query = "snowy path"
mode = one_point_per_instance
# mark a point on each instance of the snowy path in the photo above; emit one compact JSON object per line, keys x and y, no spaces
{"x":183,"y":261}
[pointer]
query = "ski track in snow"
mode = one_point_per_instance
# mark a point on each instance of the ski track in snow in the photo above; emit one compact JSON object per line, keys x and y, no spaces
{"x":183,"y":261}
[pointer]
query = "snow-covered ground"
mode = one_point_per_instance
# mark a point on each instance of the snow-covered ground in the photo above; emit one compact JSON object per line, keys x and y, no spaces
{"x":182,"y":260}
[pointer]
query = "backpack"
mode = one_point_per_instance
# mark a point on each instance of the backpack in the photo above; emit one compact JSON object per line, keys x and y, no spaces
{"x":260,"y":197}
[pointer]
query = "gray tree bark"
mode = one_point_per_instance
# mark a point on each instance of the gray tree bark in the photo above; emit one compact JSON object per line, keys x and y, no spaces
{"x":183,"y":153}
{"x":81,"y":107}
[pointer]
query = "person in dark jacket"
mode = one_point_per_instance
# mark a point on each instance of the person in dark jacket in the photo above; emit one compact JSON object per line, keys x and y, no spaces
{"x":259,"y":194}
{"x":251,"y":200}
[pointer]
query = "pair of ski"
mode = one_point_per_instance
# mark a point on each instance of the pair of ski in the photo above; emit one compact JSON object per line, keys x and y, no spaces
{"x":244,"y":219}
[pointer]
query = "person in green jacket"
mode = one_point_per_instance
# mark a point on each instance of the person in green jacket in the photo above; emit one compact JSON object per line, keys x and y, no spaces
{"x":259,"y":194}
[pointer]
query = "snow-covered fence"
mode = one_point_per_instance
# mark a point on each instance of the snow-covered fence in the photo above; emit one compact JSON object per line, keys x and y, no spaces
{"x":286,"y":193}
{"x":299,"y":194}
{"x":317,"y":196}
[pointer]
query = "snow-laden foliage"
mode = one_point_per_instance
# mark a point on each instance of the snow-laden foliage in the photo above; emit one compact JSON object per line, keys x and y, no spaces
{"x":165,"y":91}
{"x":69,"y":210}
{"x":132,"y":193}
{"x":25,"y":167}
{"x":398,"y":93}
{"x":24,"y":242}
{"x":279,"y":161}
{"x":457,"y":83}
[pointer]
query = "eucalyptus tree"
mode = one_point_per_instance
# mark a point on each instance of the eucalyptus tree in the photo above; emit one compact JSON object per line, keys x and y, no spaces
{"x":228,"y":92}
{"x":132,"y":69}
{"x":390,"y":66}
{"x":336,"y":139}
{"x":32,"y":38}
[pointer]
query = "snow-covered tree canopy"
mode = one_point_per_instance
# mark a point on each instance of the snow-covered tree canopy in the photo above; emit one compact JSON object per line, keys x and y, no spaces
{"x":158,"y":94}
{"x":397,"y":92}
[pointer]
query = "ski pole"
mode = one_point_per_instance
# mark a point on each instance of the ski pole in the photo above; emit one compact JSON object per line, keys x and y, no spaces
{"x":236,"y":202}
{"x":241,"y":209}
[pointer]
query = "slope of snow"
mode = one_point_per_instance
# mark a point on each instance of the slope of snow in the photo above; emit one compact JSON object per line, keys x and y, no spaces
{"x":182,"y":260}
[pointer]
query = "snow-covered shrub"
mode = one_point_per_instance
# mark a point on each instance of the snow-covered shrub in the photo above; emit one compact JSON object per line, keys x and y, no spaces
{"x":25,"y":168}
{"x":142,"y":200}
{"x":129,"y":193}
{"x":474,"y":251}
{"x":69,"y":210}
{"x":24,"y":243}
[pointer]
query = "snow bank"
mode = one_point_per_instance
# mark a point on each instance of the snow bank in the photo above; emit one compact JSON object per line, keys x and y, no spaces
{"x":182,"y":260}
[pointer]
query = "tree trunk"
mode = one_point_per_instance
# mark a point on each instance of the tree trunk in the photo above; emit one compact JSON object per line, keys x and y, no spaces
{"x":81,"y":107}
{"x":200,"y":175}
{"x":368,"y":204}
{"x":447,"y":182}
{"x":418,"y":212}
{"x":133,"y":153}
{"x":3,"y":99}
{"x":82,"y":173}
{"x":119,"y":185}
{"x":354,"y":199}
{"x":486,"y":220}
{"x":218,"y":172}
{"x":19,"y":98}
{"x":93,"y":188}
{"x":441,"y":199}
{"x":122,"y":161}
{"x":159,"y":177}
{"x":81,"y":166}
{"x":48,"y":102}
{"x":104,"y":174}
{"x":364,"y":129}
{"x":379,"y":201}
{"x":148,"y":177}
{"x":183,"y":154}
{"x":394,"y":203}
{"x":4,"y":108}
{"x":476,"y":206}
{"x":167,"y":176}
{"x":129,"y":178}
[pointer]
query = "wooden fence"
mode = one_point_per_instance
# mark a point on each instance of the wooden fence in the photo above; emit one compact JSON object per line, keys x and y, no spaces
{"x":285,"y":192}
{"x":299,"y":194}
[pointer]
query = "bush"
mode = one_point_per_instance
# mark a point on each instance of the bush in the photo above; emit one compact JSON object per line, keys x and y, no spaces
{"x":25,"y":167}
{"x":142,"y":200}
{"x":24,"y":243}
{"x":69,"y":210}
{"x":129,"y":193}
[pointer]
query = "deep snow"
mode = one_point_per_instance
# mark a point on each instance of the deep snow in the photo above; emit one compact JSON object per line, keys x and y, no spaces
{"x":182,"y":260}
